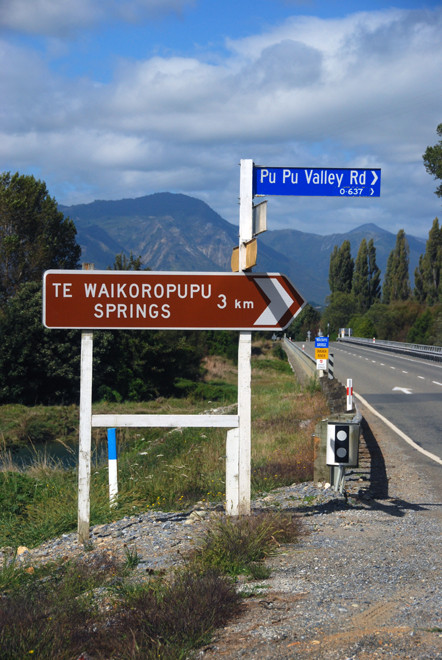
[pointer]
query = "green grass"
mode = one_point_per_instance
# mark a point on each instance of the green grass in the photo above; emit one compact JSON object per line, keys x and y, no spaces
{"x":96,"y":604}
{"x":161,"y":468}
{"x":23,"y":425}
{"x":238,"y":545}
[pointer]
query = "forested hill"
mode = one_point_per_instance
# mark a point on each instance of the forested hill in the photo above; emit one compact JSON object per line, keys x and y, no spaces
{"x":179,"y":232}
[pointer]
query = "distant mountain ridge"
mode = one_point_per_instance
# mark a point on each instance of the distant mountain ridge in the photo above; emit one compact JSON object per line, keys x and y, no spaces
{"x":172,"y":231}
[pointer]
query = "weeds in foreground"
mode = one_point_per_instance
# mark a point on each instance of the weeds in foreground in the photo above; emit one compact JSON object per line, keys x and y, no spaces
{"x":238,"y":545}
{"x":88,"y":604}
{"x":132,"y":557}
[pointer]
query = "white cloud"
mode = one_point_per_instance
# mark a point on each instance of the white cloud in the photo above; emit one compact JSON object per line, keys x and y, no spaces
{"x":359,"y":91}
{"x":61,"y":17}
{"x":48,"y":17}
{"x":318,"y":89}
{"x":133,"y":10}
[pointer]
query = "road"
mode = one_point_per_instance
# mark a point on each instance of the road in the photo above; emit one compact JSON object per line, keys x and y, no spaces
{"x":405,"y":390}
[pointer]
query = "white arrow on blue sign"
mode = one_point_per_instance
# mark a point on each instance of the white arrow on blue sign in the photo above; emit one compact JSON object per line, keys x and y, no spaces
{"x":314,"y":181}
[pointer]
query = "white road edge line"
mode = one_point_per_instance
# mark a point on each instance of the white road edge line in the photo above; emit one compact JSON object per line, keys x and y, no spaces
{"x":398,"y":431}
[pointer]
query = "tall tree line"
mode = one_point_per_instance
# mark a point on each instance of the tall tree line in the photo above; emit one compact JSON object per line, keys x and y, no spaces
{"x":361,"y":278}
{"x":427,"y":276}
{"x":397,"y":280}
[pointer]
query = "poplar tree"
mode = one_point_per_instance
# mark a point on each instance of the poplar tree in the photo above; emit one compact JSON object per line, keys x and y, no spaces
{"x":387,"y":287}
{"x":332,"y":271}
{"x":397,"y":280}
{"x":427,"y":277}
{"x":419,"y":290}
{"x":360,"y":285}
{"x":341,"y":269}
{"x":374,"y":274}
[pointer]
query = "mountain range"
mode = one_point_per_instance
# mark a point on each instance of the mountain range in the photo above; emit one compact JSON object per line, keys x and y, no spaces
{"x":175,"y":232}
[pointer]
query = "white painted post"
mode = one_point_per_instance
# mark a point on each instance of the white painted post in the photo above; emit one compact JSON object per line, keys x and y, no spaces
{"x":232,"y":469}
{"x":245,"y":347}
{"x":245,"y":421}
{"x":349,"y":394}
{"x":112,"y":466}
{"x":85,"y":432}
{"x":84,"y":453}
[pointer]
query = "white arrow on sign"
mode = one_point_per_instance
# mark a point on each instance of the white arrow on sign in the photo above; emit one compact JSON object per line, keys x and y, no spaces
{"x":405,"y":390}
{"x":280,"y":301}
{"x":375,"y":177}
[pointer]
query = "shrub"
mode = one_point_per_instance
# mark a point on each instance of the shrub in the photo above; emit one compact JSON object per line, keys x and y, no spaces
{"x":69,"y":611}
{"x":235,"y":544}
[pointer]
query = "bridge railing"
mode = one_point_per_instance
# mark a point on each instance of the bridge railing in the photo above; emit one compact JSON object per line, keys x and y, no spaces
{"x":305,"y":362}
{"x":418,"y":350}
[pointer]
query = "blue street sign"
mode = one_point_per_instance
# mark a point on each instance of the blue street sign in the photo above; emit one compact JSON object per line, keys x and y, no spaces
{"x":321,"y":342}
{"x":314,"y":181}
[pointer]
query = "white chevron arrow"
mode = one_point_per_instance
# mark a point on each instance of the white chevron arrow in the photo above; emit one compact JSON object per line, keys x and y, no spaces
{"x":405,"y":390}
{"x":280,"y":301}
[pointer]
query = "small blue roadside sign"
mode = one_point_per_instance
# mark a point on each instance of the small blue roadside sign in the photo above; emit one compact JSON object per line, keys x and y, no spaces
{"x":317,"y":182}
{"x":321,"y":342}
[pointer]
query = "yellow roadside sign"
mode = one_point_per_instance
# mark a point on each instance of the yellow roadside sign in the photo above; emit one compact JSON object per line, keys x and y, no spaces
{"x":321,"y":353}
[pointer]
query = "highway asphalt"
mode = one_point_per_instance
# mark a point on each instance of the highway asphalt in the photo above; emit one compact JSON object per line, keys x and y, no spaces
{"x":405,"y":390}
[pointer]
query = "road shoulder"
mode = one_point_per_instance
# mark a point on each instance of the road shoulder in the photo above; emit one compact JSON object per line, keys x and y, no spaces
{"x":365,"y":582}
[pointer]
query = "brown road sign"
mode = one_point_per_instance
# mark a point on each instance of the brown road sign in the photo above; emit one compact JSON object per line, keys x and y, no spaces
{"x":168,"y":300}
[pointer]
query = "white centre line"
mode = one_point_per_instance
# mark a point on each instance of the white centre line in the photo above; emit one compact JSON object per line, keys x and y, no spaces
{"x":404,"y":372}
{"x":436,"y":383}
{"x":421,"y":377}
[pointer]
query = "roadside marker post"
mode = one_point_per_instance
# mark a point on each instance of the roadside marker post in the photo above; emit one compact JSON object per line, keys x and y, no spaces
{"x":112,"y":465}
{"x":349,"y":394}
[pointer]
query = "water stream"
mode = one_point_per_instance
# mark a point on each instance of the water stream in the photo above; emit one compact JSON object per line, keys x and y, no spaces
{"x":50,"y":453}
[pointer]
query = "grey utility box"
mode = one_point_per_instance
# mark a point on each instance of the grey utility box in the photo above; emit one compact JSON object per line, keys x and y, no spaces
{"x":343,"y":443}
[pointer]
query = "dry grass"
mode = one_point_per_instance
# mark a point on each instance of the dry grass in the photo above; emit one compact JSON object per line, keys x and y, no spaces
{"x":283,"y":421}
{"x":218,"y":368}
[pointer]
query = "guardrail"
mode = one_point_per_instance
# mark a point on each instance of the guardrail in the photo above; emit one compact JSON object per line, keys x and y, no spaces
{"x":306,"y":362}
{"x":418,"y":350}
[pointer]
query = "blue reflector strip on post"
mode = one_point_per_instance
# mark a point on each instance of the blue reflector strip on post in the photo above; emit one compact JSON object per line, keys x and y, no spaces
{"x":112,"y":444}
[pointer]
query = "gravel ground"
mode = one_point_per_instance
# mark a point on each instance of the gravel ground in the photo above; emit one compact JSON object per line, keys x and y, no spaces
{"x":364,"y":582}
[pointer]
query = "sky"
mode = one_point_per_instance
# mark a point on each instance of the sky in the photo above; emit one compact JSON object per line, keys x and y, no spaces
{"x":113,"y":99}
